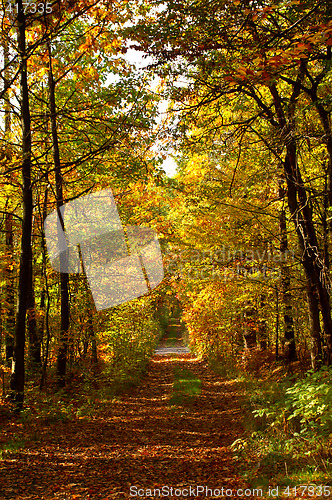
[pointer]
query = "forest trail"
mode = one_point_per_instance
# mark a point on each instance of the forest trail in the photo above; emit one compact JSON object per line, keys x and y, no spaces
{"x":172,"y":342}
{"x":136,"y":441}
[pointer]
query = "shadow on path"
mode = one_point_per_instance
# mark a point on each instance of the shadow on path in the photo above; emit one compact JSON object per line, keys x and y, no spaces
{"x":135,"y":442}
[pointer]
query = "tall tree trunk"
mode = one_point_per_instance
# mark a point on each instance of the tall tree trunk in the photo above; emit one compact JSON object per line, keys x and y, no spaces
{"x":64,"y":277}
{"x":325,"y":118}
{"x":33,"y":334}
{"x":91,"y":337}
{"x":277,"y":325}
{"x":17,"y":378}
{"x":6,"y":82}
{"x":41,"y":323}
{"x":250,"y":327}
{"x":34,"y":352}
{"x":315,"y":330}
{"x":289,"y":336}
{"x":45,"y":300}
{"x":301,"y":213}
{"x":9,"y":320}
{"x":262,"y":325}
{"x":316,"y":292}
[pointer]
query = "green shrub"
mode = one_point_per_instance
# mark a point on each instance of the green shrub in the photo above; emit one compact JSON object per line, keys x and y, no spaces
{"x":130,"y":341}
{"x":292,"y":429}
{"x":303,"y":408}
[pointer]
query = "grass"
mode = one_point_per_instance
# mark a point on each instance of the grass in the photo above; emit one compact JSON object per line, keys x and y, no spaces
{"x":12,"y":446}
{"x":186,"y":387}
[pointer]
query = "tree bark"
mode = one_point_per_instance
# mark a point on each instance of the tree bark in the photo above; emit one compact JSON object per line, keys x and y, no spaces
{"x":315,"y":330}
{"x":91,"y":337}
{"x":25,"y":275}
{"x":250,"y":330}
{"x":64,"y":277}
{"x":277,"y":325}
{"x":301,"y":213}
{"x":289,"y":336}
{"x":34,"y":340}
{"x":9,"y":320}
{"x":316,"y":293}
{"x":45,"y":300}
{"x":262,"y":325}
{"x":326,"y":122}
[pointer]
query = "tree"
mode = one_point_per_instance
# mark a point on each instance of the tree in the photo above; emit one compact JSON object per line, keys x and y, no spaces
{"x":25,"y":272}
{"x":258,"y":59}
{"x":9,"y":243}
{"x":98,"y":133}
{"x":64,"y":277}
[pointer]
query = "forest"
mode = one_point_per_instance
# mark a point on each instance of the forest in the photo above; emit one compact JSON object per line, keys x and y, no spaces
{"x":233,"y":250}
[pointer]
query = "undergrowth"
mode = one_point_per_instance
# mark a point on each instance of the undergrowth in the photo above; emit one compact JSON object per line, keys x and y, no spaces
{"x":289,"y":429}
{"x":122,"y":363}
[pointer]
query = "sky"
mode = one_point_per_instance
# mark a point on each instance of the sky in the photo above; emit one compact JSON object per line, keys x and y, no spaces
{"x":135,"y":57}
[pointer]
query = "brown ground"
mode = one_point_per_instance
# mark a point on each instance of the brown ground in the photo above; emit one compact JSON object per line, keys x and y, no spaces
{"x":136,"y":440}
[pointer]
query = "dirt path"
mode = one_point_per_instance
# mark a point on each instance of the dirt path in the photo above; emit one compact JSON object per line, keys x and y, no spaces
{"x":172,"y":342}
{"x":137,"y":441}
